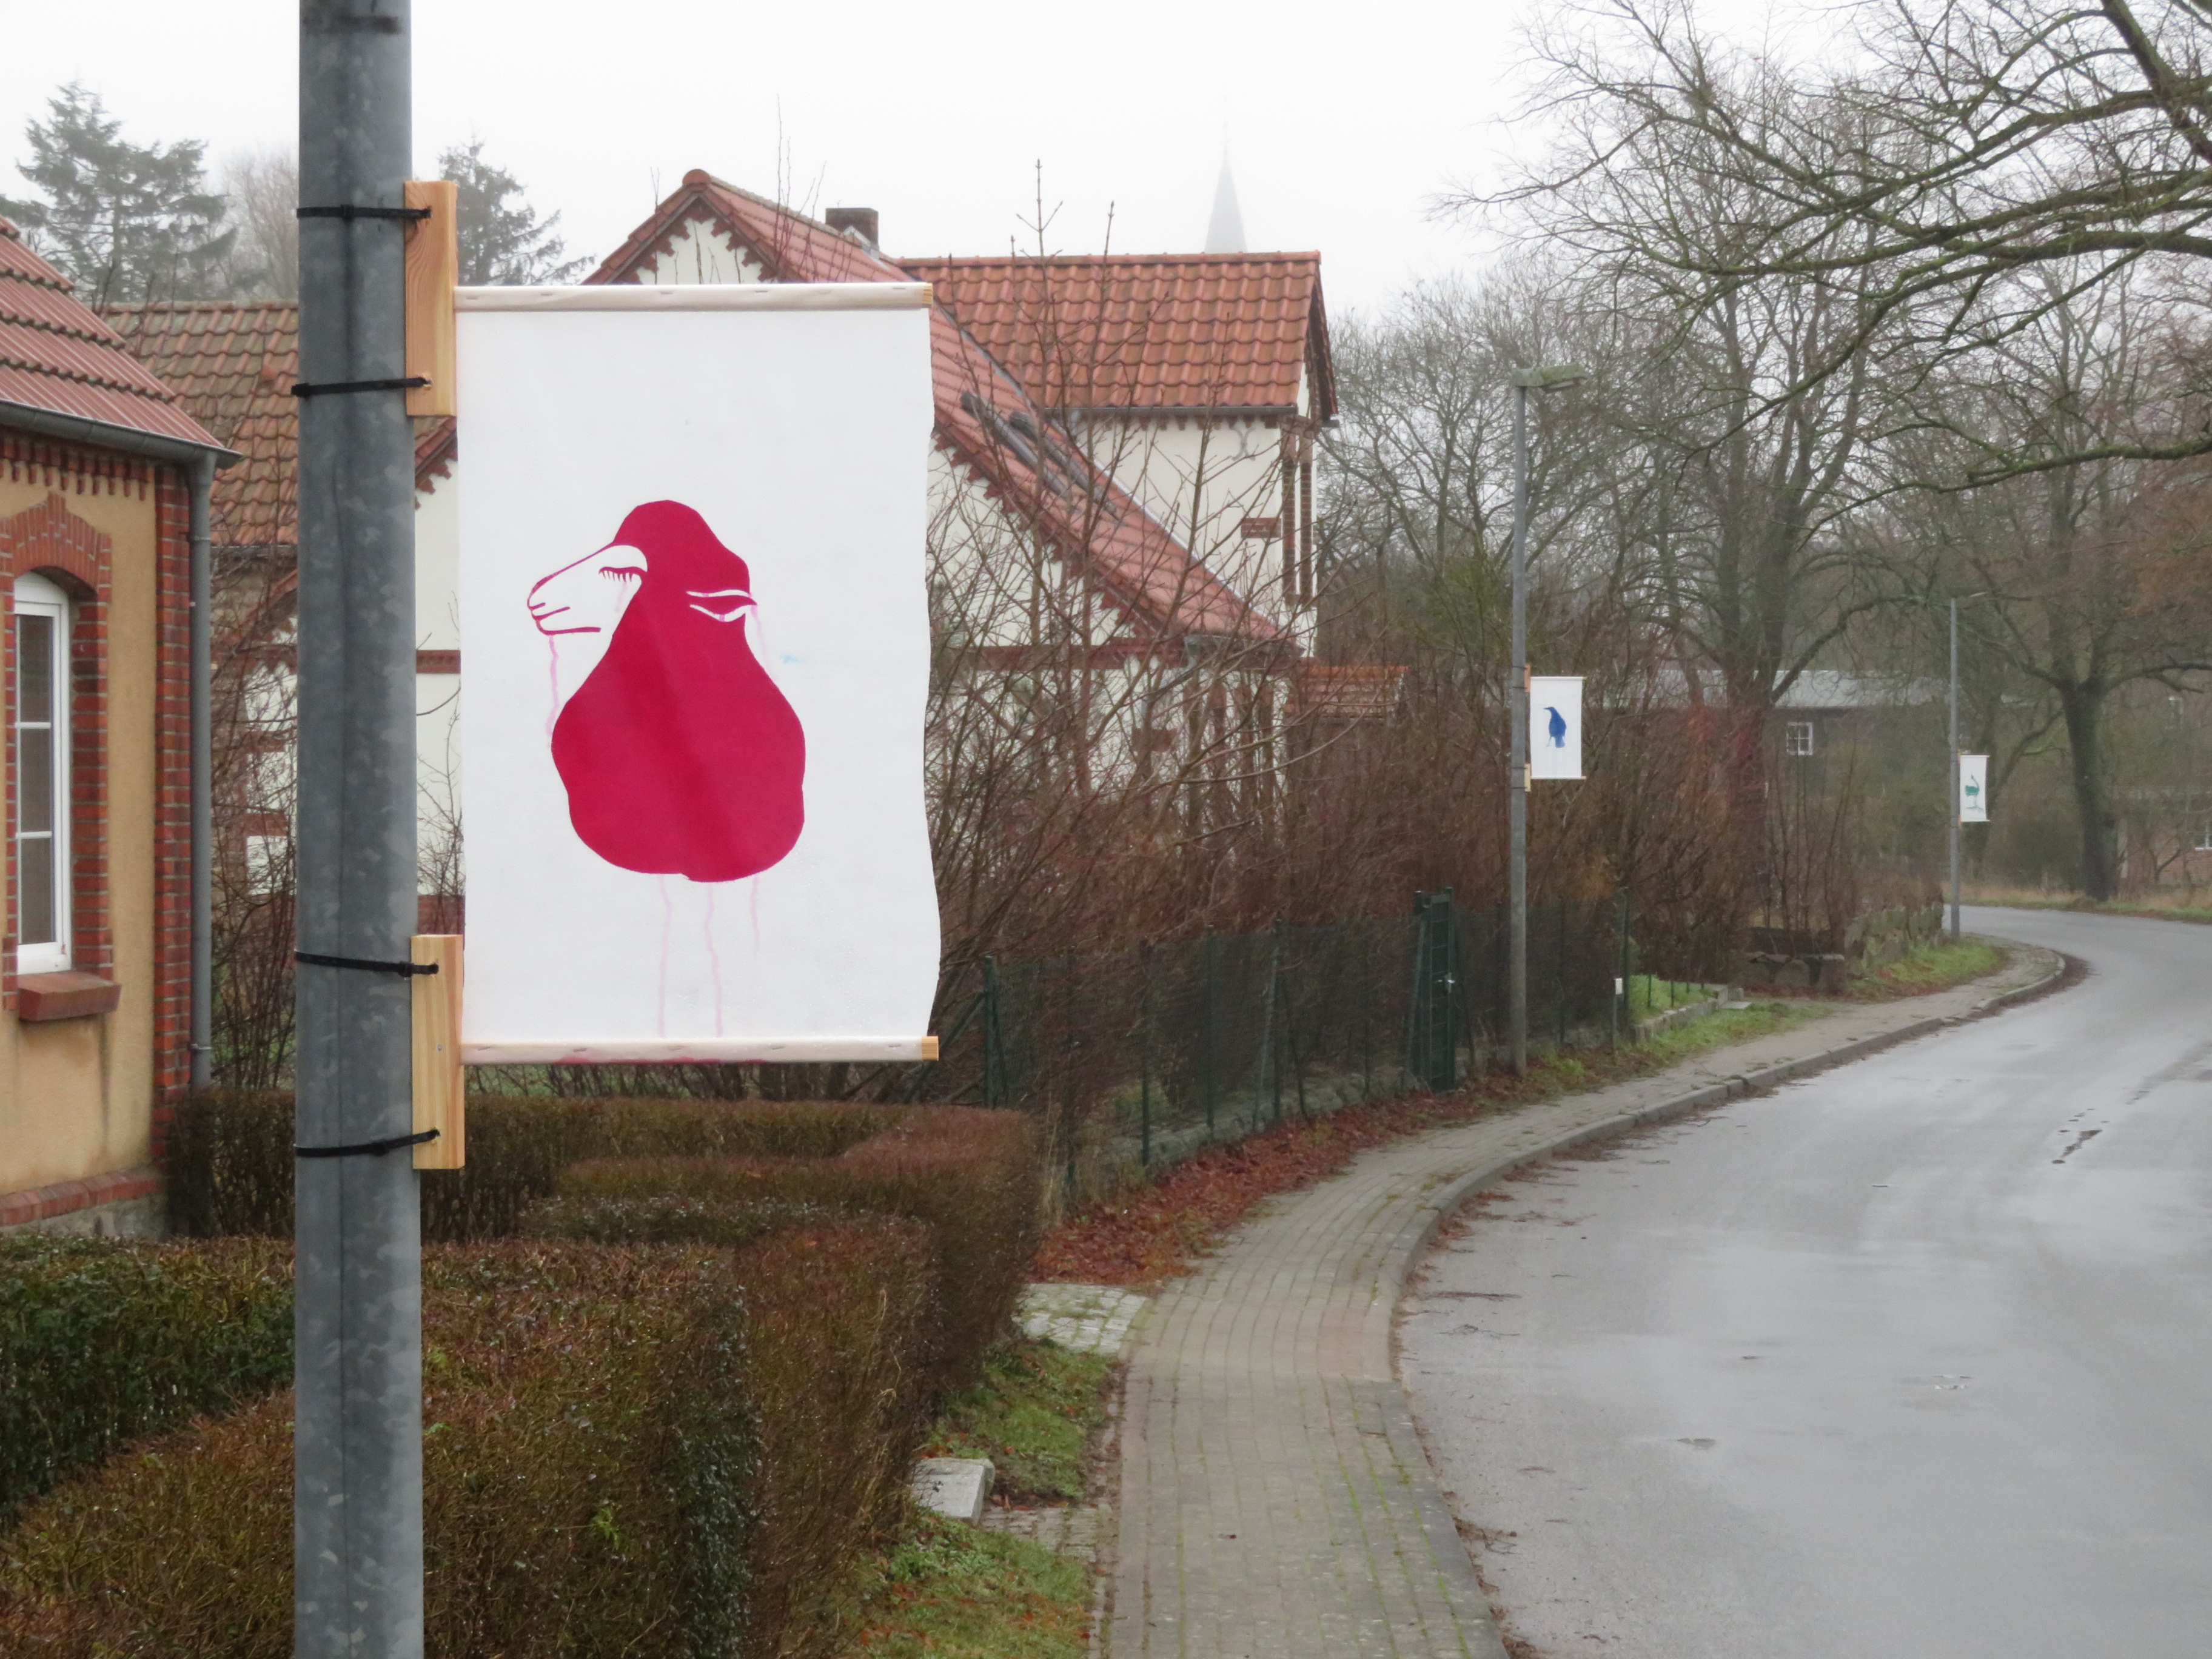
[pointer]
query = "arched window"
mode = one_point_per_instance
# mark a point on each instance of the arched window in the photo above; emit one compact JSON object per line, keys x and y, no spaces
{"x":42,"y":779}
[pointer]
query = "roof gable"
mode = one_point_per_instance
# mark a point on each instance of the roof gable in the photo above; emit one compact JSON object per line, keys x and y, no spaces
{"x":57,"y":356}
{"x":783,"y":246}
{"x":984,"y":417}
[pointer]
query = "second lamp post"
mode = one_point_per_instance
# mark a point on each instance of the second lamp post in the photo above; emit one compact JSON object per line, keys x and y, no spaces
{"x":1523,"y":382}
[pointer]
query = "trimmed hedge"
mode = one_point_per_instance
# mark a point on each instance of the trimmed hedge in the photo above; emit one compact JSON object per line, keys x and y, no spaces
{"x":667,"y":1218}
{"x":231,"y":1158}
{"x":968,"y":1172}
{"x":672,"y":1451}
{"x":102,"y":1342}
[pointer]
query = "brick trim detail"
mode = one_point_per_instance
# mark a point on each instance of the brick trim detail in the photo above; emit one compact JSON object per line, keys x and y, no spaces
{"x":64,"y":1197}
{"x":172,"y":802}
{"x":49,"y":539}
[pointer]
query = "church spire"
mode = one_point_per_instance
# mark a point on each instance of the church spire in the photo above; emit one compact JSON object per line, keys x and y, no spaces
{"x":1224,"y":232}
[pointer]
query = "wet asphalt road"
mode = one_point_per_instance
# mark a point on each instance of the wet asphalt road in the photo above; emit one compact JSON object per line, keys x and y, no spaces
{"x":1910,"y":1360}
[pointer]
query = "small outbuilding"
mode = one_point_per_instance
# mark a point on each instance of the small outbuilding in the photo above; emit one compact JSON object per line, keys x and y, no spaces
{"x":103,"y":481}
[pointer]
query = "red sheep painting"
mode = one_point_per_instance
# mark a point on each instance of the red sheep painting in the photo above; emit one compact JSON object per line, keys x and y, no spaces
{"x":680,"y":755}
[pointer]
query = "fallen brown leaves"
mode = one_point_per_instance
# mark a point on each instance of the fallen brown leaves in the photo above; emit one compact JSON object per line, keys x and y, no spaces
{"x":1146,"y":1233}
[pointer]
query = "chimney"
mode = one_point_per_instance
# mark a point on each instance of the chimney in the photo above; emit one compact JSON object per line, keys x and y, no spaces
{"x":854,"y":222}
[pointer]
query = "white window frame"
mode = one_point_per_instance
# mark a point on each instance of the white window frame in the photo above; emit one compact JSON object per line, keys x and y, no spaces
{"x":35,"y":596}
{"x":1797,"y":737}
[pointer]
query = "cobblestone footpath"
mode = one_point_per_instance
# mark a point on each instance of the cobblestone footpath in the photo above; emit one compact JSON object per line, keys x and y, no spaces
{"x":1274,"y":1501}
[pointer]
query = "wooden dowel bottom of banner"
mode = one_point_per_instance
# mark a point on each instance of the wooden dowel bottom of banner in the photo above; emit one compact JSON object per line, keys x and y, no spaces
{"x":706,"y":1051}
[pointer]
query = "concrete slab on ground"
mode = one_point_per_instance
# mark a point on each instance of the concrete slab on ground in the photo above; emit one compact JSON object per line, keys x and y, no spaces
{"x":958,"y":1487}
{"x":1088,"y":1318}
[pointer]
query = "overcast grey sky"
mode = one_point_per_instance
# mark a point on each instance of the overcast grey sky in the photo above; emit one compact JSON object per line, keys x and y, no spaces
{"x":1343,"y":121}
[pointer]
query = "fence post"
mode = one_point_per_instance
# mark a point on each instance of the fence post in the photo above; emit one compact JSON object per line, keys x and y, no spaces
{"x":1448,"y":991}
{"x":1417,"y":1004}
{"x":1212,"y":1017}
{"x":1071,"y":1095}
{"x":1145,"y":1063}
{"x":1372,"y":984}
{"x":994,"y":1060}
{"x":1559,"y":961}
{"x":1620,"y":961}
{"x":1272,"y":1073}
{"x":1431,"y":1039}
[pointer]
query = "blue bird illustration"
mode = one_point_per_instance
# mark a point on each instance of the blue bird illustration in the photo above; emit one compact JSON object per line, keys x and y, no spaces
{"x":1558,"y":728}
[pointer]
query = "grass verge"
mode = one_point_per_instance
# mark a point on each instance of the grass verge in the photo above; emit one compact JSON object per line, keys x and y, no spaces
{"x":948,"y":1590}
{"x":1928,"y":968}
{"x":2010,"y":898}
{"x":1144,"y":1234}
{"x":1034,"y":1415}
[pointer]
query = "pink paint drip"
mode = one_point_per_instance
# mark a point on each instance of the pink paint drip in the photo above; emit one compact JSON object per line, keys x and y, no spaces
{"x":714,"y":961}
{"x":667,"y":944}
{"x":553,"y":683}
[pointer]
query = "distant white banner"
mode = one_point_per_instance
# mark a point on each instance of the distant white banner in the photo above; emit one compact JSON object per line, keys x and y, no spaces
{"x":1973,"y":788}
{"x":695,"y":627}
{"x":1555,"y":726}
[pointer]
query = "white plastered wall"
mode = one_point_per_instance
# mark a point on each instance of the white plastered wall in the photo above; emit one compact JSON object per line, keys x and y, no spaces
{"x":700,"y":253}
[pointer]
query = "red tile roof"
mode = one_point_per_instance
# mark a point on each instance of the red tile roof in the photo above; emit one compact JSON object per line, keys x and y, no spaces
{"x":1179,"y":331}
{"x":57,"y":356}
{"x":233,"y":366}
{"x":1047,"y":485}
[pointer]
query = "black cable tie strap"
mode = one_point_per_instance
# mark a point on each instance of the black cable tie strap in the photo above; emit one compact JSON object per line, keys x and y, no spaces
{"x":368,"y":1148}
{"x":366,"y":964}
{"x":325,"y":388}
{"x":352,"y":213}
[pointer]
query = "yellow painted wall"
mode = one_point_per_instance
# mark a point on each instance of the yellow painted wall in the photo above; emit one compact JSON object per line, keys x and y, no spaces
{"x":77,"y":1095}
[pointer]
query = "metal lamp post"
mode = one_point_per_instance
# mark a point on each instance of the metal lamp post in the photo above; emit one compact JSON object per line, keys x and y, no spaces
{"x":358,"y":1398}
{"x":1523,"y":382}
{"x":1954,"y":761}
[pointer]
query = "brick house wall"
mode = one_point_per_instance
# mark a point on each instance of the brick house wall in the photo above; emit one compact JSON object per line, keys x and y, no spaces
{"x":52,"y":537}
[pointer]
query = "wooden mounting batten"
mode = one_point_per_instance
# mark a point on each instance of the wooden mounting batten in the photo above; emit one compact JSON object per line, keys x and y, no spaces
{"x":441,"y":1099}
{"x":433,"y":270}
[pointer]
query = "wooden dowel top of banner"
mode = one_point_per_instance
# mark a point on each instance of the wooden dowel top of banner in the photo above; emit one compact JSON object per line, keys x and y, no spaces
{"x":704,"y":1051}
{"x":701,"y":296}
{"x":441,"y":1096}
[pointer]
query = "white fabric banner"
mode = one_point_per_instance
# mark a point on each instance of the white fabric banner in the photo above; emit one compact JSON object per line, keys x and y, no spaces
{"x":1973,"y":788}
{"x":695,"y":638}
{"x":1555,"y":726}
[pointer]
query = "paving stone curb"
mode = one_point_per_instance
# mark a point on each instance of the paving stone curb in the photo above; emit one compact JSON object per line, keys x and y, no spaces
{"x":1274,"y":1499}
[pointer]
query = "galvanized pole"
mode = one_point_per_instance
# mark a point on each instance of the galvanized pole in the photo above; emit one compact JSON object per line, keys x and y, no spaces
{"x":1517,"y":793}
{"x":358,"y":1441}
{"x":1954,"y":768}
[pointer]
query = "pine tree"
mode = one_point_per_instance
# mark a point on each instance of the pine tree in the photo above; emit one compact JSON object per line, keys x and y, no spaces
{"x":124,"y":222}
{"x":503,"y":241}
